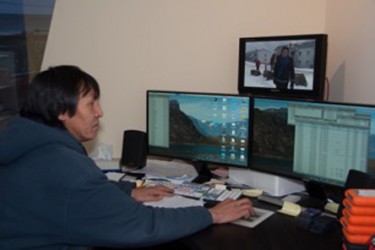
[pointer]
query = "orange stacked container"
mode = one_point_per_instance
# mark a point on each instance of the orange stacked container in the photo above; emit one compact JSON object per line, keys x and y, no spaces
{"x":358,"y":218}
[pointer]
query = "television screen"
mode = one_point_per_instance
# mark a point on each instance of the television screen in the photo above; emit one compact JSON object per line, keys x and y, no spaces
{"x":313,"y":140}
{"x":288,"y":66}
{"x":202,"y":127}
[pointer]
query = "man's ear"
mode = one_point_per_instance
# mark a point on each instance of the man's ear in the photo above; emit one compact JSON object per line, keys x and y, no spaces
{"x":62,"y":117}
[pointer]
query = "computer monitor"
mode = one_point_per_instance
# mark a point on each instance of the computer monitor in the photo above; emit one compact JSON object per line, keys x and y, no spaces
{"x":199,"y":127}
{"x":314,"y":141}
{"x":288,"y":66}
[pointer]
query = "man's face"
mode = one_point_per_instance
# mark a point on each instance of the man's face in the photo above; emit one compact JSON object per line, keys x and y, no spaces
{"x":84,"y":124}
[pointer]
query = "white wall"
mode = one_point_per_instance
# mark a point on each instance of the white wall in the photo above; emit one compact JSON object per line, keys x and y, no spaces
{"x":351,"y":52}
{"x":134,"y":45}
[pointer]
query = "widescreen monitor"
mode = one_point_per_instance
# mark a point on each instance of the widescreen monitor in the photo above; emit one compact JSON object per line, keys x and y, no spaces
{"x":288,"y":66}
{"x":199,"y":127}
{"x":312,"y":140}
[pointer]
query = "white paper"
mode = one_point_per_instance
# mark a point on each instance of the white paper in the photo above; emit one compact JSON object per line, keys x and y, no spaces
{"x":167,"y":169}
{"x":175,"y":202}
{"x":253,"y":221}
{"x":114,"y":176}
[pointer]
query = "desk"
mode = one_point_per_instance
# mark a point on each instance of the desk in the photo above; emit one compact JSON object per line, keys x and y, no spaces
{"x":278,"y":232}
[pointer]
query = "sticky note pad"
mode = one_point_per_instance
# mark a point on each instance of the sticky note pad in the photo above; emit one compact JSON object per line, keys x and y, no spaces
{"x":290,"y":208}
{"x":252,"y":192}
{"x":332,"y":207}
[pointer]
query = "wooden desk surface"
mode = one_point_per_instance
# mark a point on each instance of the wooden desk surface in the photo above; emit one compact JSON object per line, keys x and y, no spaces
{"x":279,"y":232}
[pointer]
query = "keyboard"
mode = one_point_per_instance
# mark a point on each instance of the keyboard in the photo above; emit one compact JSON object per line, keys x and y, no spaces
{"x":187,"y":189}
{"x":230,"y":194}
{"x":200,"y":191}
{"x":192,"y":190}
{"x":215,"y":194}
{"x":205,"y":192}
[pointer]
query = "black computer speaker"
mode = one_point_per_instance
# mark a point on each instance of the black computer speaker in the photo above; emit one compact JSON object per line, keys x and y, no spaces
{"x":134,"y":149}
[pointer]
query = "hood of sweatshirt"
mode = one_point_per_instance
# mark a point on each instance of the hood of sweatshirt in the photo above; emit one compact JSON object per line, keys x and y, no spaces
{"x":21,"y":135}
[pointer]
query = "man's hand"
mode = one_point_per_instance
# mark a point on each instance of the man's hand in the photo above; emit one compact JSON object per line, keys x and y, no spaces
{"x":151,"y":193}
{"x":231,"y":210}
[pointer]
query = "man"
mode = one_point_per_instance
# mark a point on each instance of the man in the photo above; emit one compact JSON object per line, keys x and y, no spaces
{"x":52,"y":194}
{"x":284,"y":70}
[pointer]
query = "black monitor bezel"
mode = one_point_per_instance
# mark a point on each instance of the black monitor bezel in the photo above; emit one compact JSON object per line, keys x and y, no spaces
{"x":317,"y":93}
{"x":197,"y":161}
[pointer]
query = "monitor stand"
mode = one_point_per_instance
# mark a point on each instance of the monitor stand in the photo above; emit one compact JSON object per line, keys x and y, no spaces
{"x":271,"y":184}
{"x":317,"y":196}
{"x":204,"y":173}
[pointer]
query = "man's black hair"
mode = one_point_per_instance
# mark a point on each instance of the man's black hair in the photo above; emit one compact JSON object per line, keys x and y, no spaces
{"x":56,"y":91}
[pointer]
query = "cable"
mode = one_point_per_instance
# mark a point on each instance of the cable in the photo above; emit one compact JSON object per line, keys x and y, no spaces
{"x":326,"y":83}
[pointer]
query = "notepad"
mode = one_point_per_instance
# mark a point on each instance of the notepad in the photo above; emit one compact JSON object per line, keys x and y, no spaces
{"x":260,"y":216}
{"x":289,"y":208}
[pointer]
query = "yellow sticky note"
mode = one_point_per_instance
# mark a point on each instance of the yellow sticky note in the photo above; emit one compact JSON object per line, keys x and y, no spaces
{"x":252,"y":192}
{"x":332,"y":207}
{"x":290,"y":208}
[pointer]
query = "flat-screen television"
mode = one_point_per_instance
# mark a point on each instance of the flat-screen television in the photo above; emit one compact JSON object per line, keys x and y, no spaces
{"x":200,"y":127}
{"x":313,"y":140}
{"x":284,"y":66}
